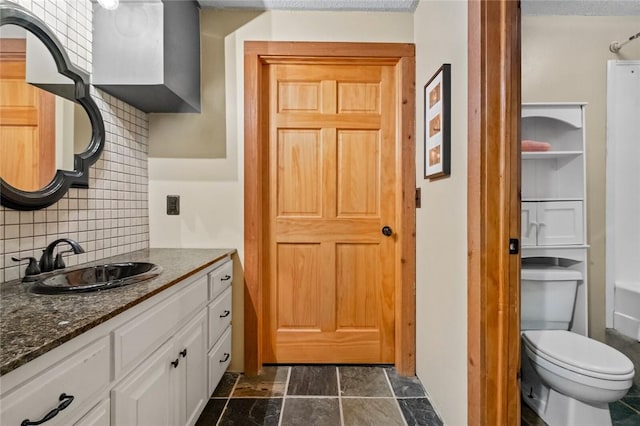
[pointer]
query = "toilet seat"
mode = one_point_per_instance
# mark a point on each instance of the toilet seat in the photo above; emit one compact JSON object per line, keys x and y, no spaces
{"x":579,"y":354}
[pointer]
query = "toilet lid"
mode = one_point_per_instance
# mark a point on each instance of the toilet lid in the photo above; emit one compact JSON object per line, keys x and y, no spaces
{"x":578,"y":353}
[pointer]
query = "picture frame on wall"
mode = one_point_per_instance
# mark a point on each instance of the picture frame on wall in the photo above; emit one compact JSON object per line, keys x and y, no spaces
{"x":437,"y":124}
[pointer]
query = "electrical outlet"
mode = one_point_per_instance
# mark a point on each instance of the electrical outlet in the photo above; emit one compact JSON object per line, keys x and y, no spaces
{"x":173,"y":205}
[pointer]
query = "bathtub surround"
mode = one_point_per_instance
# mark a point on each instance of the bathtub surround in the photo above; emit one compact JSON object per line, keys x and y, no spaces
{"x":111,"y":217}
{"x":623,"y":197}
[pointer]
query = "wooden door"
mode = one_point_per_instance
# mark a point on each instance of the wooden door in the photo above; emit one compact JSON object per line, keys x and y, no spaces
{"x":332,"y":188}
{"x":27,"y":123}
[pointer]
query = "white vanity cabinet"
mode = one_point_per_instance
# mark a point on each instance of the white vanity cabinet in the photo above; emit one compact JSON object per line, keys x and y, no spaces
{"x":169,"y":387}
{"x":175,"y":378}
{"x":554,"y":193}
{"x":149,"y":365}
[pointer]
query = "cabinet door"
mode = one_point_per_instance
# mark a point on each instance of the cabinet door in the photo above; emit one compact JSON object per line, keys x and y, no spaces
{"x":529,"y":224}
{"x":560,"y":222}
{"x":146,"y":396}
{"x":191,"y":348}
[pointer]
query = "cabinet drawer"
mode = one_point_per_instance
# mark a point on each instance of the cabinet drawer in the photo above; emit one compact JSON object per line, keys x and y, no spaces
{"x":136,"y":340}
{"x":100,"y":415}
{"x":220,"y":279}
{"x":219,"y":360}
{"x":81,"y":375}
{"x":219,"y":316}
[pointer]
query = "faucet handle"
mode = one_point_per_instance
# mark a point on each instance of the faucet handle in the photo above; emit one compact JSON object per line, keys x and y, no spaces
{"x":32,"y":268}
{"x":59,"y":262}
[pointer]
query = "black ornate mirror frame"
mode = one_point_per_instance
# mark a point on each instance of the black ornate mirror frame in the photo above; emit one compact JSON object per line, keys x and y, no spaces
{"x":14,"y":198}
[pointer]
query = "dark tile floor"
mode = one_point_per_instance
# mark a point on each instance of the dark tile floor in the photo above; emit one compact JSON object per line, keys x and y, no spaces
{"x":320,"y":396}
{"x":625,"y":412}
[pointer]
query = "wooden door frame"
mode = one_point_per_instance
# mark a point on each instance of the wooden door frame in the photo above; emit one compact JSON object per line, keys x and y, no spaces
{"x":256,"y":195}
{"x":493,"y":212}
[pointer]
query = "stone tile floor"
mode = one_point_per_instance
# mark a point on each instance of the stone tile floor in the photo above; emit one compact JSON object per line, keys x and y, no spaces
{"x":320,"y":395}
{"x":625,"y":412}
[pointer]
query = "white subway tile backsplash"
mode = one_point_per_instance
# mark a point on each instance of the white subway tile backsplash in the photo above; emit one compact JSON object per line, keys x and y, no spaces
{"x":112,"y":216}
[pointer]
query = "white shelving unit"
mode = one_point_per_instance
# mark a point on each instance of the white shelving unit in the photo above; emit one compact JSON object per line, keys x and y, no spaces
{"x":554,"y":214}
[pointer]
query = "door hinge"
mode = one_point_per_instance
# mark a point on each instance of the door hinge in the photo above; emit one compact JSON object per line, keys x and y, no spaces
{"x":418,"y":198}
{"x":514,"y":246}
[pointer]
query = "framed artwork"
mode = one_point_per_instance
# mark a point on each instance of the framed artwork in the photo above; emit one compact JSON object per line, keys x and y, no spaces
{"x":437,"y":124}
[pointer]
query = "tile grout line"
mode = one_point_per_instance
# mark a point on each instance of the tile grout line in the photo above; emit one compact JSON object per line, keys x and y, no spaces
{"x":393,"y":392}
{"x":228,"y":399}
{"x":284,"y":395}
{"x":629,"y":406}
{"x":339,"y":396}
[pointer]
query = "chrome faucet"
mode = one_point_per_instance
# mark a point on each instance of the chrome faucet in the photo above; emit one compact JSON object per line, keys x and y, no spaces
{"x":47,"y":262}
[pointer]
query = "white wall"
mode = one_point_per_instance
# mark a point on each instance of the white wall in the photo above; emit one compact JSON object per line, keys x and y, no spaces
{"x":211,"y":190}
{"x":440,"y":29}
{"x":564,"y":59}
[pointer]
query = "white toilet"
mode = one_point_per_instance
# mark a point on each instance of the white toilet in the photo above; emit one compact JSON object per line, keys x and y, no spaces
{"x":567,"y":379}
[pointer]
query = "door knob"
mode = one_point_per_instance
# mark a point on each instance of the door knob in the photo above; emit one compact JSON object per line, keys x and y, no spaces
{"x":387,"y":231}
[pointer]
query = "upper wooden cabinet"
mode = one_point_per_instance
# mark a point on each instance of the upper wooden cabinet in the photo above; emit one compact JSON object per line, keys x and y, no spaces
{"x":147,"y":53}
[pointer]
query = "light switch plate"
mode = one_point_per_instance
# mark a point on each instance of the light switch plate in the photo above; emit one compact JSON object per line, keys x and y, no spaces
{"x":173,"y":205}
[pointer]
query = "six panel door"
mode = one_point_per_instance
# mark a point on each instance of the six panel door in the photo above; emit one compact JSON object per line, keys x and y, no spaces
{"x":332,"y":164}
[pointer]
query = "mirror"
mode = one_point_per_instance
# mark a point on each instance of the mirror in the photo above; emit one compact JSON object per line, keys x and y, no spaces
{"x":51,"y":130}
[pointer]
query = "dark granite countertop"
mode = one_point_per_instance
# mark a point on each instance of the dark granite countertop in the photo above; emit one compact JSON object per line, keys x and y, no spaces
{"x":31,"y":325}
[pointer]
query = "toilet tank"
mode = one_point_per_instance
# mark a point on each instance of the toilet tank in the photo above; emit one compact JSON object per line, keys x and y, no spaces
{"x":547,"y":297}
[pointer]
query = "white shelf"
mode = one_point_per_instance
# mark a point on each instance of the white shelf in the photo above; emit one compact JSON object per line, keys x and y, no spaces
{"x":566,"y":246}
{"x":536,"y":199}
{"x":553,"y":191}
{"x":541,"y":155}
{"x":566,"y":113}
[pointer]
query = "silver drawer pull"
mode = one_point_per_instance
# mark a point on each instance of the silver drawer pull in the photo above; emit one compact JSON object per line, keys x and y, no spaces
{"x":226,"y":357}
{"x":65,"y":399}
{"x":226,"y":314}
{"x":225,"y":278}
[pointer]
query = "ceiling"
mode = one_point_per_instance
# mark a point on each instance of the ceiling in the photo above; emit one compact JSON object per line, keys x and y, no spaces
{"x":362,"y":5}
{"x":529,"y":7}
